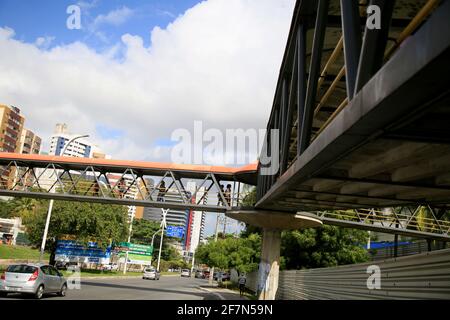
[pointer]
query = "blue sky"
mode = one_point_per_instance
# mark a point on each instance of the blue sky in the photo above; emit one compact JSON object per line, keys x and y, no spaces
{"x":47,"y":18}
{"x":214,"y":61}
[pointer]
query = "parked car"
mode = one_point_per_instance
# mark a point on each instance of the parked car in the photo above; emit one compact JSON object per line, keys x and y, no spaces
{"x":199,"y":274}
{"x":226,"y":276}
{"x":32,"y":279}
{"x":185,"y":273}
{"x":151,"y":273}
{"x":110,"y":267}
{"x":223,"y":276}
{"x":206,"y":274}
{"x":62,"y":265}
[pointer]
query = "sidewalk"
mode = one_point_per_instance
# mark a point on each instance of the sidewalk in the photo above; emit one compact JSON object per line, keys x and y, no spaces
{"x":222,"y":293}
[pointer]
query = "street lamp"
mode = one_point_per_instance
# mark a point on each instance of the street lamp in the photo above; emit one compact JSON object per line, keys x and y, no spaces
{"x":153,"y":239}
{"x":50,"y":206}
{"x":163,"y":226}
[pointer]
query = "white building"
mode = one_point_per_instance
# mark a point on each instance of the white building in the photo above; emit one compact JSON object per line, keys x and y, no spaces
{"x":132,"y":193}
{"x":197,"y":220}
{"x":82,"y":148}
{"x":9,"y":229}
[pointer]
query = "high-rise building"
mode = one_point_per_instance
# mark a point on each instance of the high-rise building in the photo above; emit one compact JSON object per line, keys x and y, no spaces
{"x":132,"y":192}
{"x":196,"y":220}
{"x":173,"y":217}
{"x":82,"y":147}
{"x":30,"y":143}
{"x":11,"y":125}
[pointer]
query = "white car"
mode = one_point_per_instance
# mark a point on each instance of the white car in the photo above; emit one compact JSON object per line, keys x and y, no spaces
{"x":110,"y":267}
{"x":186,"y":273}
{"x":151,"y":273}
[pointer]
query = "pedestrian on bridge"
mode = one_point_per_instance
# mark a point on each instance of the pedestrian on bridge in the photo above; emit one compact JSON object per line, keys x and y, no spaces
{"x":228,"y":194}
{"x":219,"y":197}
{"x":162,"y":191}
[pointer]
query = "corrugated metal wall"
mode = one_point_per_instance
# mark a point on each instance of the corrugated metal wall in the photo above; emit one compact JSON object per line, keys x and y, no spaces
{"x":421,"y":276}
{"x":415,"y":247}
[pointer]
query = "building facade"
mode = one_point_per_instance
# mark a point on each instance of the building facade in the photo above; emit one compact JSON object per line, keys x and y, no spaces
{"x":11,"y":125}
{"x":29,"y":143}
{"x":81,"y":148}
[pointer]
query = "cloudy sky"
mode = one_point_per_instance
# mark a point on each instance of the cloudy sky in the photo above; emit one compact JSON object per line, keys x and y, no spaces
{"x":138,"y":70}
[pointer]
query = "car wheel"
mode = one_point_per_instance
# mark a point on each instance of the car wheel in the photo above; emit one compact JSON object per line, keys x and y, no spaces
{"x":3,"y":294}
{"x":39,"y":292}
{"x":62,"y":292}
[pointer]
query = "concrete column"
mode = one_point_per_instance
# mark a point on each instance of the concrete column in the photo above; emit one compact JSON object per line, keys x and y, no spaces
{"x":269,"y":266}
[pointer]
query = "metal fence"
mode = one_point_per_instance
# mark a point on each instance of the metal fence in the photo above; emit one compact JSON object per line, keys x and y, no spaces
{"x":412,"y":248}
{"x":421,"y":276}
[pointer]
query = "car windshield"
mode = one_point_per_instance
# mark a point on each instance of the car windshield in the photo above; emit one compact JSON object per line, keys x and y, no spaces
{"x":149,"y":270}
{"x":185,"y":270}
{"x":21,"y":268}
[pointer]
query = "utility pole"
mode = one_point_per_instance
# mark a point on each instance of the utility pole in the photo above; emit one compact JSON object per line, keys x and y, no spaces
{"x":211,"y":272}
{"x":50,"y":205}
{"x":163,"y":226}
{"x":129,"y":240}
{"x":153,"y":239}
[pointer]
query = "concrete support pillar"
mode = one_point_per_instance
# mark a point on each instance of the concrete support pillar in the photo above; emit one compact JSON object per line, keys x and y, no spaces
{"x":269,"y":266}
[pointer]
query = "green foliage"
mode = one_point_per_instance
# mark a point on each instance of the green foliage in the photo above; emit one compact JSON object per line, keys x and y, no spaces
{"x":16,"y":207}
{"x":241,"y":254}
{"x":143,"y":231}
{"x":84,"y":221}
{"x":19,"y":252}
{"x":250,"y":198}
{"x":322,"y":247}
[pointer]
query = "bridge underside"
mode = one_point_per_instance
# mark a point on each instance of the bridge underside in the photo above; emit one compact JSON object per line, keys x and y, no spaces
{"x":390,"y":145}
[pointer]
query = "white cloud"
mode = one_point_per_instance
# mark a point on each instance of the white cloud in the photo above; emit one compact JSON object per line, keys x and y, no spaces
{"x":44,"y":42}
{"x":114,"y":17}
{"x":218,"y":63}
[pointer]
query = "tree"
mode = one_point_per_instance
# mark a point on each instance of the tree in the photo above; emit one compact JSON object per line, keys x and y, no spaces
{"x":326,"y":246}
{"x":103,"y":224}
{"x":241,"y":254}
{"x":143,"y":231}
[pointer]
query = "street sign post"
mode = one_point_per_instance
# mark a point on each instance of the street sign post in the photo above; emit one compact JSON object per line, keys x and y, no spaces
{"x":175,"y":231}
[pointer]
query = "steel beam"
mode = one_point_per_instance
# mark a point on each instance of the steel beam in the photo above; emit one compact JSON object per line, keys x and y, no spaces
{"x":301,"y":81}
{"x":314,"y":72}
{"x":374,"y":45}
{"x":351,"y":30}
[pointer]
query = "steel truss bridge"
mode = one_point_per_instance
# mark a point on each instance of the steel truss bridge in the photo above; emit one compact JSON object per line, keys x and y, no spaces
{"x":363,"y":119}
{"x":119,"y":182}
{"x":97,"y":180}
{"x":362,"y":114}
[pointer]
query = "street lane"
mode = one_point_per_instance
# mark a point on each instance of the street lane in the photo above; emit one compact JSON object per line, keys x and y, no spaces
{"x":167,"y":288}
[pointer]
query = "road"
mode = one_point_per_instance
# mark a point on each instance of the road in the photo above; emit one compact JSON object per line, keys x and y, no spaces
{"x":167,"y":288}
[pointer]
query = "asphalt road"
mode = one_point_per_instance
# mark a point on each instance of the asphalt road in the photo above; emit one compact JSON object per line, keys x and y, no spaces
{"x":167,"y":288}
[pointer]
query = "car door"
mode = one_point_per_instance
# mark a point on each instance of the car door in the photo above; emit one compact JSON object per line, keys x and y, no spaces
{"x":56,"y":279}
{"x":47,"y":278}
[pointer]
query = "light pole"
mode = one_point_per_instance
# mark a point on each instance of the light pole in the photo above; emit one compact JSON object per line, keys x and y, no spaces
{"x":129,"y":239}
{"x":153,"y":239}
{"x":163,"y":226}
{"x":211,"y":270}
{"x":50,"y":205}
